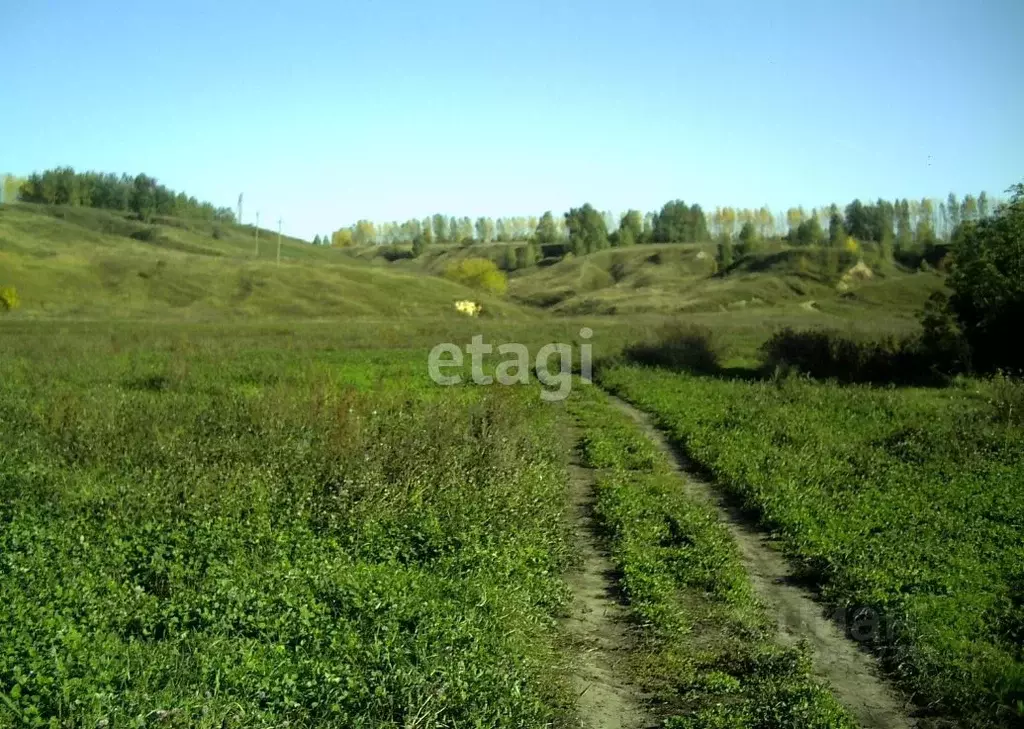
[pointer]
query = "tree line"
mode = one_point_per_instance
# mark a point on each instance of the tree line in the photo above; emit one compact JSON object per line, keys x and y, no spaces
{"x":897,"y":226}
{"x":971,"y":329}
{"x":141,"y":194}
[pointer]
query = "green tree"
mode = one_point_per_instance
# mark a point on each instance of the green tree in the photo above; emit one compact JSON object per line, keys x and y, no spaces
{"x":610,"y":221}
{"x":724,"y":254}
{"x":316,"y":240}
{"x":925,"y":231}
{"x":453,"y":229}
{"x":440,"y":227}
{"x":698,"y":225}
{"x":748,"y":238}
{"x":587,"y":231}
{"x":679,"y":223}
{"x":885,"y":220}
{"x":10,"y":188}
{"x":419,"y":245}
{"x":364,"y":233}
{"x":953,"y":209}
{"x":970,"y":208}
{"x":648,"y":234}
{"x":142,"y":200}
{"x":484,"y":230}
{"x":983,"y":211}
{"x":547,"y":230}
{"x":987,"y":279}
{"x":885,"y":246}
{"x":809,"y":232}
{"x":836,"y":228}
{"x":526,"y":256}
{"x":857,"y":221}
{"x":904,"y":228}
{"x":508,"y":262}
{"x":342,"y":238}
{"x":631,"y":228}
{"x":794,"y":217}
{"x":502,"y":230}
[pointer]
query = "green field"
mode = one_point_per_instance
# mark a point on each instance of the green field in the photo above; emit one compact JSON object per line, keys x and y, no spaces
{"x":230,"y":495}
{"x":708,"y":651}
{"x":257,"y":536}
{"x":909,"y":501}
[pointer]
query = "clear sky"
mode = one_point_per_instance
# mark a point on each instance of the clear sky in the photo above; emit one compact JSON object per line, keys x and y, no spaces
{"x":326,"y":112}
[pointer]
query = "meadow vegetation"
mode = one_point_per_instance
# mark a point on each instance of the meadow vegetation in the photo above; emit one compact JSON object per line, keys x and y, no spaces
{"x":231,"y":496}
{"x":708,"y":651}
{"x":211,"y":532}
{"x":908,"y":501}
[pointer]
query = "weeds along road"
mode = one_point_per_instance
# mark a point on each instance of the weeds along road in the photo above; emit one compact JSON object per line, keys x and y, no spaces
{"x":850,"y":672}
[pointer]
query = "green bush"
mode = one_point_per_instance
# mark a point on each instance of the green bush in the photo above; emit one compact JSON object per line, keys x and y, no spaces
{"x":679,"y":346}
{"x":829,"y":355}
{"x":478,"y":273}
{"x":9,"y":300}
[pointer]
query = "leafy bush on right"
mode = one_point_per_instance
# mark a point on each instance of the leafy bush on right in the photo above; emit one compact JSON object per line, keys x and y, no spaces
{"x":830,"y":355}
{"x":987,"y":278}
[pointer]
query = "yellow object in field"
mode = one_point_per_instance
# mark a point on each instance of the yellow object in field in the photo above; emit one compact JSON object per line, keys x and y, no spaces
{"x":469,"y":308}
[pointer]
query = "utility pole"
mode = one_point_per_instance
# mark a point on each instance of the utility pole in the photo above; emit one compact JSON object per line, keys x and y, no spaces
{"x":257,"y":234}
{"x":239,"y":208}
{"x":279,"y":241}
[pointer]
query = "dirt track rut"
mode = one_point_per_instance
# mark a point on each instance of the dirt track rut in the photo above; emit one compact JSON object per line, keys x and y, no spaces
{"x":851,"y":672}
{"x":598,"y":622}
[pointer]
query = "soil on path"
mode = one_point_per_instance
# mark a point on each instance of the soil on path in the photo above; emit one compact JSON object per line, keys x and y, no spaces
{"x":598,"y":622}
{"x":851,"y":672}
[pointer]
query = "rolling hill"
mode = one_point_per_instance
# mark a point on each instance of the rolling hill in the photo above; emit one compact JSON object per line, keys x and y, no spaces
{"x":87,"y":263}
{"x":674,"y":279}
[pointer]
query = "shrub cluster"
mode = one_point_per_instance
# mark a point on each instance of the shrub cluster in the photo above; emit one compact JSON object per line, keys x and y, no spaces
{"x":681,"y":347}
{"x":478,"y":273}
{"x":831,"y":355}
{"x":9,"y":300}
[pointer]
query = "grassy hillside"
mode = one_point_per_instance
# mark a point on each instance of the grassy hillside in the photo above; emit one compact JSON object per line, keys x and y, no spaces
{"x":73,"y":261}
{"x":674,"y":279}
{"x":684,"y":278}
{"x":94,"y":264}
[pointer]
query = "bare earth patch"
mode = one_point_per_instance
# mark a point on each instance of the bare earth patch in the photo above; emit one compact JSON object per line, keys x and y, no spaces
{"x":597,"y":622}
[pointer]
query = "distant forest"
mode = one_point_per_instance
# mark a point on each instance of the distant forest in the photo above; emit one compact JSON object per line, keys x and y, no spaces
{"x":898,"y":226}
{"x":140,"y":194}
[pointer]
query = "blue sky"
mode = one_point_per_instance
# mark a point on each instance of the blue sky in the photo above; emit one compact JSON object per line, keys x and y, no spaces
{"x":326,"y":112}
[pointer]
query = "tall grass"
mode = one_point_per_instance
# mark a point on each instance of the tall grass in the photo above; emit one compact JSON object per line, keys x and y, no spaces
{"x":196,"y":533}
